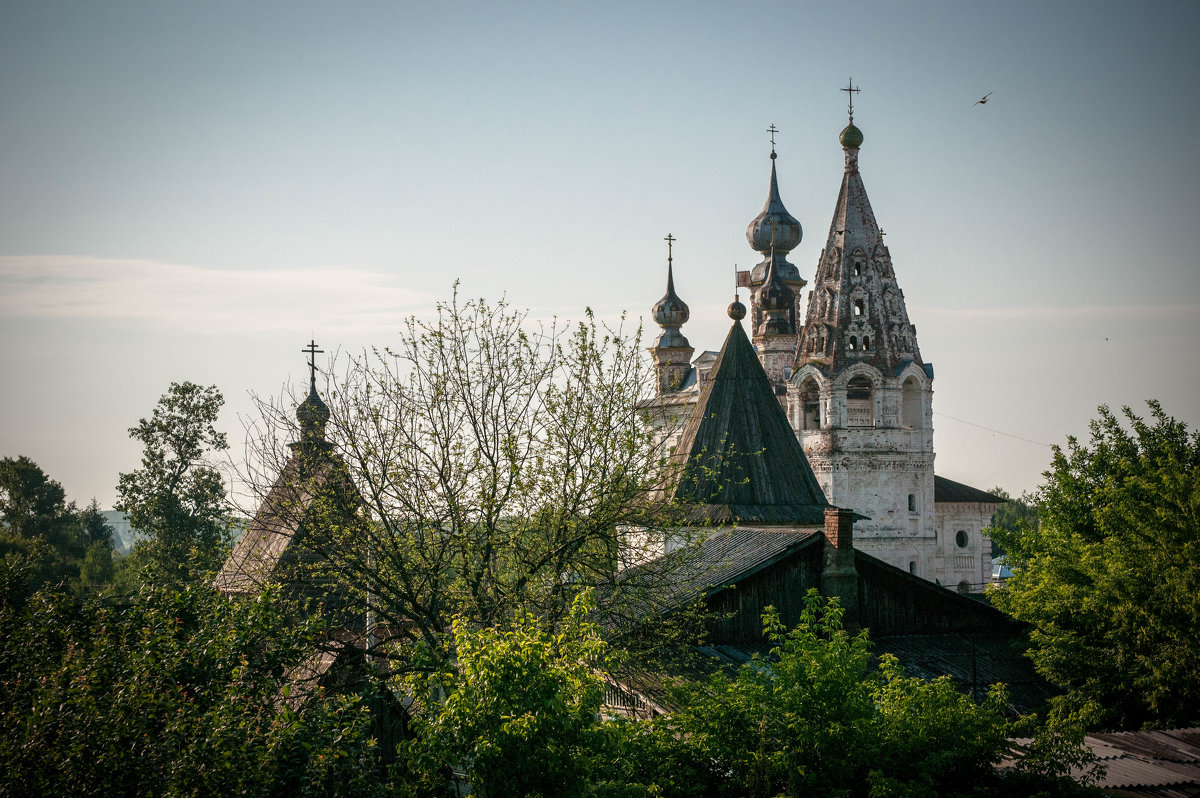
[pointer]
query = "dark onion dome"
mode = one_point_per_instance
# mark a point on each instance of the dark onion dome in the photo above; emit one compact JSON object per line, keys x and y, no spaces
{"x":671,"y":311}
{"x":787,"y":229}
{"x":313,"y":414}
{"x":851,"y":138}
{"x":776,"y":301}
{"x":736,"y":310}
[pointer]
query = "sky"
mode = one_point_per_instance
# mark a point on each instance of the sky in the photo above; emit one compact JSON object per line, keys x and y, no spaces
{"x":192,"y":191}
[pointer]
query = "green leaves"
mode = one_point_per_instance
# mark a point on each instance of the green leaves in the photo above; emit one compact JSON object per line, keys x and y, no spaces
{"x":1110,"y":577}
{"x":177,"y":498}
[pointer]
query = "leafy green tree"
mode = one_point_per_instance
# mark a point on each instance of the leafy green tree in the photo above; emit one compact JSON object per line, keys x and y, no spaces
{"x":177,"y":498}
{"x":173,"y":692}
{"x":518,"y":711}
{"x":817,"y":717}
{"x":1015,"y":514}
{"x":1110,"y":578}
{"x":43,"y":537}
{"x":496,"y":462}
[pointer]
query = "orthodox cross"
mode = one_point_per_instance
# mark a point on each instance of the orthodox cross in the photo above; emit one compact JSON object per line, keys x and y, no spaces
{"x":312,"y":351}
{"x":670,"y":239}
{"x":850,"y":92}
{"x":772,"y":130}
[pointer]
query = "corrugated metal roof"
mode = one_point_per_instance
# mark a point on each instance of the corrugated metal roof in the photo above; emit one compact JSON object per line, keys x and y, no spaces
{"x":1150,"y":764}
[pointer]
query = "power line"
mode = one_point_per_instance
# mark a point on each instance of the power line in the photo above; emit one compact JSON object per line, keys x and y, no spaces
{"x":990,"y":429}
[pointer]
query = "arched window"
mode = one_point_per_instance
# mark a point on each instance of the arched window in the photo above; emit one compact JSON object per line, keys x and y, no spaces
{"x":858,"y":268}
{"x":860,"y":405}
{"x":912,"y":567}
{"x":911,"y":409}
{"x":853,"y":343}
{"x":858,"y":307}
{"x":810,"y":405}
{"x":866,"y":343}
{"x":912,"y":502}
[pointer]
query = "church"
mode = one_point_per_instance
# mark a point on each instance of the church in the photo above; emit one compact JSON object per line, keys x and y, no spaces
{"x":849,"y":373}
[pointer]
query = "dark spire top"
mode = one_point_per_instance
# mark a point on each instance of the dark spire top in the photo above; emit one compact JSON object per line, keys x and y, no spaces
{"x":774,"y":225}
{"x":736,"y":310}
{"x":742,"y":461}
{"x":776,"y":301}
{"x":312,"y":413}
{"x":671,"y":312}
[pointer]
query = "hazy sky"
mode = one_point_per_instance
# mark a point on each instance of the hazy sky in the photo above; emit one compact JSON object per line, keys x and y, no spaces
{"x":188,"y":191}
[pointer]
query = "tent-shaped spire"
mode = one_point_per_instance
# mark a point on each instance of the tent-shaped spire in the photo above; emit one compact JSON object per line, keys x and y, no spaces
{"x":741,"y":460}
{"x":856,"y":311}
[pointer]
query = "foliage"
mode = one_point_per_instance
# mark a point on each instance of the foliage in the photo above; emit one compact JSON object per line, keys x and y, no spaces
{"x":517,"y":712}
{"x":1110,"y":577}
{"x":496,"y":462}
{"x":1015,"y":514}
{"x":175,"y":693}
{"x":816,"y":717}
{"x":177,"y":498}
{"x":44,"y":538}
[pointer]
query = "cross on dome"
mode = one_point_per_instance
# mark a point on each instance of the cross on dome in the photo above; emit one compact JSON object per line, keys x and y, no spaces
{"x":312,"y":352}
{"x":850,"y":92}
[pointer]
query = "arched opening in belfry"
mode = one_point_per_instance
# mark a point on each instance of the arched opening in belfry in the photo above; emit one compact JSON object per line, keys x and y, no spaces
{"x":858,"y":307}
{"x":860,"y":404}
{"x":810,"y":405}
{"x":853,"y":343}
{"x":911,"y":404}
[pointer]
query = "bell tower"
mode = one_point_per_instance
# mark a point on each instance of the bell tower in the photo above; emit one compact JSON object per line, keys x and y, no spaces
{"x":860,"y":397}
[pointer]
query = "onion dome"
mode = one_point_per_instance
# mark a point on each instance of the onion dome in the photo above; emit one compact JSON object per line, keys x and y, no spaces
{"x":774,"y":217}
{"x":851,"y":137}
{"x":671,"y":311}
{"x":313,"y":415}
{"x":777,"y":302}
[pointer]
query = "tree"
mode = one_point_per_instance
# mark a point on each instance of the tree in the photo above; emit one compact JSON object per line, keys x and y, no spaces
{"x":518,"y":713}
{"x":174,"y":692}
{"x":177,"y":498}
{"x":42,"y":535}
{"x":1109,"y":579}
{"x":496,"y":462}
{"x":1016,"y":513}
{"x":820,"y":716}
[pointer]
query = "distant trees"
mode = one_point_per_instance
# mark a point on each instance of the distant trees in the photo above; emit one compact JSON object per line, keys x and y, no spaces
{"x":44,"y":538}
{"x":177,"y":499}
{"x":1109,"y":578}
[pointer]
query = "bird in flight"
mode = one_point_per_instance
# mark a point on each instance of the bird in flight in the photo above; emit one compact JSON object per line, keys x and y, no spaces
{"x":984,"y":100}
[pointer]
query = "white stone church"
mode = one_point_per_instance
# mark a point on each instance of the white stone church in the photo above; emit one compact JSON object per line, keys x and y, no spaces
{"x":850,"y":375}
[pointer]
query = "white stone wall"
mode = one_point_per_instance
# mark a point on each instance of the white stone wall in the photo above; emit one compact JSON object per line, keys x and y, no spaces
{"x":970,"y":563}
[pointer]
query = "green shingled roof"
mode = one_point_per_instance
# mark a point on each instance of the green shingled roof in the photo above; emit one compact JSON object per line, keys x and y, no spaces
{"x":743,"y":462}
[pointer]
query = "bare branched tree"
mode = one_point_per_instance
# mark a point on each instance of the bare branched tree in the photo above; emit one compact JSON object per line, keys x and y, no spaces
{"x":496,"y":465}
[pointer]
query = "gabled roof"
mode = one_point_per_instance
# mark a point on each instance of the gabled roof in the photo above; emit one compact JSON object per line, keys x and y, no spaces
{"x":947,"y":490}
{"x":742,"y":461}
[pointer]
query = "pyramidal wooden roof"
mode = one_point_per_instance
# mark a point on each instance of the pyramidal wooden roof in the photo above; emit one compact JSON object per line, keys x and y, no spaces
{"x":741,"y":460}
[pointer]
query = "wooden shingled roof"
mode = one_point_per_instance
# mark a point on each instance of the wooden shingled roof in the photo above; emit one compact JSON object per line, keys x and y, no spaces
{"x":741,"y":460}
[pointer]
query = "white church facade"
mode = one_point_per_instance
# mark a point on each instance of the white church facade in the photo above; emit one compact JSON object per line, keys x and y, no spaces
{"x":849,"y":372}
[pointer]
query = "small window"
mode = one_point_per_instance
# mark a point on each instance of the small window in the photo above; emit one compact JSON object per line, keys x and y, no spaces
{"x":912,"y":567}
{"x":964,"y":587}
{"x":961,"y":538}
{"x":853,"y":343}
{"x":857,"y":268}
{"x":866,"y":343}
{"x":912,"y":502}
{"x":858,"y":307}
